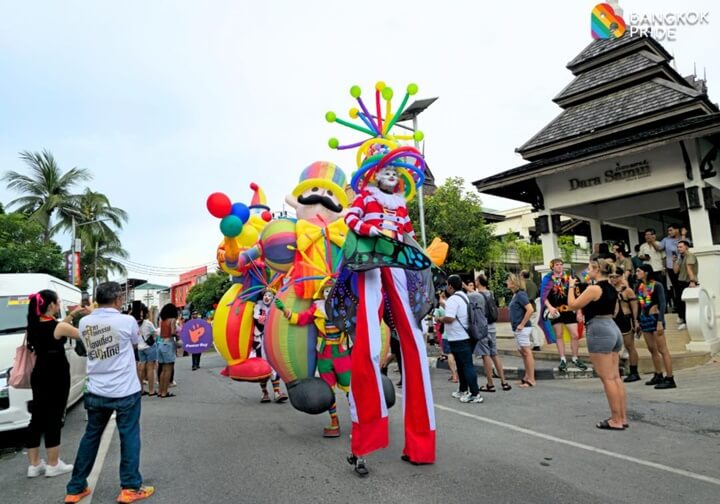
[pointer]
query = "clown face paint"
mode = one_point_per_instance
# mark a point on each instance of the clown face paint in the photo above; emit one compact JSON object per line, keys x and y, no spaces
{"x":387,"y":178}
{"x":268,"y":297}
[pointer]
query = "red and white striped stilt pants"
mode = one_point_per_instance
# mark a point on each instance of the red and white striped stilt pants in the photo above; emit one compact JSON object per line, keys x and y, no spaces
{"x":367,"y":401}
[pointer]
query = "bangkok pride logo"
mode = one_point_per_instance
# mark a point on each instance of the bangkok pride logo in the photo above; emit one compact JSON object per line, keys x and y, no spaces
{"x":606,"y":21}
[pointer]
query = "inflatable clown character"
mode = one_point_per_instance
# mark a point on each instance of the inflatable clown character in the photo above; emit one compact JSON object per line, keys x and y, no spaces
{"x":333,"y":360}
{"x":233,"y":323}
{"x":381,"y":253}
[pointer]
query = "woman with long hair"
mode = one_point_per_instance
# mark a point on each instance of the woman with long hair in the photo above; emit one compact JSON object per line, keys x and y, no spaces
{"x":50,"y":380}
{"x":626,"y":319}
{"x":521,"y":310}
{"x":166,"y":347}
{"x":651,"y":298}
{"x":604,"y":339}
{"x":147,"y":351}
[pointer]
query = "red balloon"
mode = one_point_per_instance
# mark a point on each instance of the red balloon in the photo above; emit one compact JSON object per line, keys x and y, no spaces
{"x":266,"y":216}
{"x":219,"y":205}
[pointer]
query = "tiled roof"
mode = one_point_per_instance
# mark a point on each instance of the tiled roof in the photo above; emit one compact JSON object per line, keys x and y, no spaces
{"x":615,"y":108}
{"x":655,"y":133}
{"x":598,"y":47}
{"x":619,"y":69}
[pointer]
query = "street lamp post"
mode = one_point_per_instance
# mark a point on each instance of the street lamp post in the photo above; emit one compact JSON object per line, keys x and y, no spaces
{"x":412,"y":112}
{"x":74,"y":249}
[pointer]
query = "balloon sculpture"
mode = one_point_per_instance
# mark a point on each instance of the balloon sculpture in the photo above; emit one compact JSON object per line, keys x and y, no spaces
{"x":233,"y":319}
{"x":385,"y":272}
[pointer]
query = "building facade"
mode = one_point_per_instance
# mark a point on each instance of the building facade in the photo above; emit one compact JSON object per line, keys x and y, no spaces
{"x":635,"y":146}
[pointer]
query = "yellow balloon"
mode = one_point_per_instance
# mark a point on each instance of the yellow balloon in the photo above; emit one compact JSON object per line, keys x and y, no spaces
{"x":248,"y":237}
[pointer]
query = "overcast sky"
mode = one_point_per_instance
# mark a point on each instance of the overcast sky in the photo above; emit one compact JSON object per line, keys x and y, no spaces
{"x":168,"y":101}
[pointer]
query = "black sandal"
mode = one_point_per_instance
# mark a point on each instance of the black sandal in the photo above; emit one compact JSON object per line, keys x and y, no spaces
{"x":605,"y":425}
{"x":359,"y":463}
{"x":506,"y":386}
{"x":487,"y":388}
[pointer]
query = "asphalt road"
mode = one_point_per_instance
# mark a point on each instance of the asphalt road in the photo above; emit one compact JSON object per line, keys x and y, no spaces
{"x":215,"y":443}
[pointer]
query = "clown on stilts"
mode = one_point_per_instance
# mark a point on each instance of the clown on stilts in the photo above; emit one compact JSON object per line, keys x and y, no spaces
{"x":381,"y":252}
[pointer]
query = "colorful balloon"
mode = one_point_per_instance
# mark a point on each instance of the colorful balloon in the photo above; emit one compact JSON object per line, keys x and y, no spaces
{"x":231,"y":226}
{"x":241,"y":211}
{"x":219,"y":205}
{"x":279,"y":242}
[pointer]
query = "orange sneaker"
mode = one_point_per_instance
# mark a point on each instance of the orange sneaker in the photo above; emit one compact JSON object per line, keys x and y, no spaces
{"x":72,"y":498}
{"x":129,"y":495}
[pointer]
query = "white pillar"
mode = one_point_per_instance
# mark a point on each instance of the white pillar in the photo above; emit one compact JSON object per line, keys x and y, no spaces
{"x":633,"y":239}
{"x":703,"y":302}
{"x":595,"y":231}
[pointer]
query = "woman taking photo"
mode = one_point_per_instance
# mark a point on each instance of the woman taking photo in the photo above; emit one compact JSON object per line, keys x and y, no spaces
{"x":651,"y":298}
{"x":626,"y":319}
{"x":604,"y":339}
{"x":521,"y":310}
{"x":50,"y":380}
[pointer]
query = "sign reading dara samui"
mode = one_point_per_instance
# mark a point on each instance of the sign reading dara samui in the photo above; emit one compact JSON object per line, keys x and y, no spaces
{"x":632,"y":171}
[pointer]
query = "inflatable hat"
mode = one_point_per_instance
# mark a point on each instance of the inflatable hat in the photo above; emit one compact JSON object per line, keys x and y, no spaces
{"x":326,"y":175}
{"x":259,"y":201}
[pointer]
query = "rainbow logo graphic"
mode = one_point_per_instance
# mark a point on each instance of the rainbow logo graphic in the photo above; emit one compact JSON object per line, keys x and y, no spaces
{"x":605,"y":23}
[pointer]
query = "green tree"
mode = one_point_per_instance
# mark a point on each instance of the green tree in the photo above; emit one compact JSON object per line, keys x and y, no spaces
{"x":456,"y":216}
{"x":205,"y":295}
{"x":46,"y":190}
{"x":567,"y":247}
{"x":23,"y":249}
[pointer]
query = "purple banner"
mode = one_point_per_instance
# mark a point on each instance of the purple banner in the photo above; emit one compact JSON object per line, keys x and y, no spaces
{"x":196,"y":335}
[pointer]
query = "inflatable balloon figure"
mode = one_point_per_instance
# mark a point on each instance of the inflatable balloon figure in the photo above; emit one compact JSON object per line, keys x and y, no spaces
{"x":233,"y":323}
{"x":306,"y":250}
{"x":383,"y":266}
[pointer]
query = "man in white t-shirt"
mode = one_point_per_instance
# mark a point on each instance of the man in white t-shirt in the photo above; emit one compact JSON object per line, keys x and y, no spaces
{"x":113,"y":386}
{"x":456,"y":332}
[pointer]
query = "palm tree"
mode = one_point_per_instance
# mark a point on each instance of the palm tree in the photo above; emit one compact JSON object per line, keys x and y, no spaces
{"x":46,"y":190}
{"x":97,"y":224}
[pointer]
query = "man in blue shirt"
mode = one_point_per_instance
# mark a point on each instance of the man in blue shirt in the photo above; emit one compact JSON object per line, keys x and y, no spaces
{"x":669,"y":246}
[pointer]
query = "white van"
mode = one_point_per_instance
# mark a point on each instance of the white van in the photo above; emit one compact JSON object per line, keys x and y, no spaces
{"x":14,"y":291}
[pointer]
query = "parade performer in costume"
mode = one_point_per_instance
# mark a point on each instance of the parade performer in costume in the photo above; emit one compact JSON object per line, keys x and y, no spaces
{"x":333,"y":360}
{"x":556,"y":317}
{"x":260,"y":313}
{"x":387,"y":177}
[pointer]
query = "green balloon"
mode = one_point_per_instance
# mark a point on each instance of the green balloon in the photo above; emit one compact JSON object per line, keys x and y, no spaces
{"x":418,"y":136}
{"x":412,"y":89}
{"x":231,"y":226}
{"x":333,"y":143}
{"x":387,"y":93}
{"x":330,"y":117}
{"x":355,"y":91}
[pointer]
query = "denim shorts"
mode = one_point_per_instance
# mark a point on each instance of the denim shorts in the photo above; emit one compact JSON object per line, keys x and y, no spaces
{"x":166,"y":351}
{"x":149,"y":354}
{"x":445,"y":346}
{"x":603,"y":336}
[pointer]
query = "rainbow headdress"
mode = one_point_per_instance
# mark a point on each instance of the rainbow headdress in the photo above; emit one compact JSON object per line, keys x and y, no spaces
{"x":383,"y":148}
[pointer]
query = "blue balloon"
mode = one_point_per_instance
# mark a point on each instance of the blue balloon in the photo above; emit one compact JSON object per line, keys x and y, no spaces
{"x":241,"y":211}
{"x":231,"y":226}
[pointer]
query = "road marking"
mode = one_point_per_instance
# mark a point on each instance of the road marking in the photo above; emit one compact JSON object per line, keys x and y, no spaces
{"x":529,"y":432}
{"x":100,"y":459}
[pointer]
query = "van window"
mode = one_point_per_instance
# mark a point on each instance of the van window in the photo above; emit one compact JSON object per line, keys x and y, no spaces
{"x":13,"y":313}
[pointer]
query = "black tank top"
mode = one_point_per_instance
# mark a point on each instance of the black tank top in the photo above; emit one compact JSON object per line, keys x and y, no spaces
{"x":42,"y":341}
{"x":603,"y":306}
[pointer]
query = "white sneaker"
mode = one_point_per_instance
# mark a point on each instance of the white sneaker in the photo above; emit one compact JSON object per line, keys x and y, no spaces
{"x":471,"y":399}
{"x":682,"y":327}
{"x":57,"y":470}
{"x":459,"y":395}
{"x":38,"y":470}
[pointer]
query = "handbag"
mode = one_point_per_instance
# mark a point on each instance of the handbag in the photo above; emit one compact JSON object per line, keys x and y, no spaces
{"x":23,"y":366}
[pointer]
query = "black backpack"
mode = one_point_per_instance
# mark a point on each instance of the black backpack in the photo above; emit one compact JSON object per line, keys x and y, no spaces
{"x":492,"y":308}
{"x":477,"y":327}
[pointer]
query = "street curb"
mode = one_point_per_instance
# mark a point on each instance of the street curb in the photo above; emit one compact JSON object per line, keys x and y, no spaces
{"x":515,"y":373}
